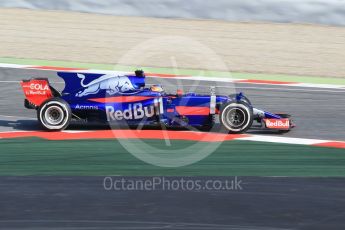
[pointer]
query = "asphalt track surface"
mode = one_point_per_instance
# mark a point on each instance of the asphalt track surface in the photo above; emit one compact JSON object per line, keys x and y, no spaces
{"x":264,"y":202}
{"x":83,"y":203}
{"x":318,"y":113}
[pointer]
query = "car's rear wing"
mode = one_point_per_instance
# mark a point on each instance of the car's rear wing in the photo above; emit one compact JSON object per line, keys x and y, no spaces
{"x":36,"y":91}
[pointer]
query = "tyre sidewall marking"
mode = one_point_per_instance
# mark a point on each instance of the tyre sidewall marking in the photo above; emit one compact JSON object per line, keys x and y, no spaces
{"x":65,"y":110}
{"x":245,"y":108}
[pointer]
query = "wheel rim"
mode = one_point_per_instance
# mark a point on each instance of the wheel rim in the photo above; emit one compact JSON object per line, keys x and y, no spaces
{"x":54,"y":115}
{"x":236,"y":117}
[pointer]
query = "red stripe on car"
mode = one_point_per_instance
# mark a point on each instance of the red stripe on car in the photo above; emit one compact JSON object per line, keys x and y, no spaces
{"x":120,"y":99}
{"x":192,"y":110}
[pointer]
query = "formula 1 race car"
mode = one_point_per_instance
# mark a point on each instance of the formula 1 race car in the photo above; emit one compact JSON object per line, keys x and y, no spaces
{"x":110,"y":98}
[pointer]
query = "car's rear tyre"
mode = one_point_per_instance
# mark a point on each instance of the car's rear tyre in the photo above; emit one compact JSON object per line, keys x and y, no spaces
{"x":54,"y":114}
{"x":236,"y":117}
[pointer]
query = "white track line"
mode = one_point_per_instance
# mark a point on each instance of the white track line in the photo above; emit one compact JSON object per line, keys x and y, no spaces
{"x":257,"y":138}
{"x":10,"y":81}
{"x":12,"y":131}
{"x":325,"y":86}
{"x":77,"y":131}
{"x":197,"y":78}
{"x":294,"y":89}
{"x":14,"y":66}
{"x":284,"y":140}
{"x":272,"y":88}
{"x":284,"y":88}
{"x":8,"y":116}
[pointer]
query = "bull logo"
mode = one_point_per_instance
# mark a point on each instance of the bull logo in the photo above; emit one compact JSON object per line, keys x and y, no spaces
{"x":112,"y":84}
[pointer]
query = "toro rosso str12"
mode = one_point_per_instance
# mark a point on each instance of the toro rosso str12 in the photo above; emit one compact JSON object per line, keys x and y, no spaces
{"x":110,"y":98}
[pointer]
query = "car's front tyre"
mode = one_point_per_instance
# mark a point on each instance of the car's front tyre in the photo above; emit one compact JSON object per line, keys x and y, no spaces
{"x":54,"y":114}
{"x":236,"y":117}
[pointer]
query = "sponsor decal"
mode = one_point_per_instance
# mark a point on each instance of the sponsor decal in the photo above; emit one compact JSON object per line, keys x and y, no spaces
{"x":277,"y":123}
{"x":36,"y":91}
{"x":87,"y":107}
{"x":34,"y":86}
{"x":112,"y":84}
{"x":134,"y":111}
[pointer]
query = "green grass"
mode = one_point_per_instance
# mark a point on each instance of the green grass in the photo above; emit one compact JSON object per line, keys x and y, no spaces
{"x":33,"y":156}
{"x":277,"y":77}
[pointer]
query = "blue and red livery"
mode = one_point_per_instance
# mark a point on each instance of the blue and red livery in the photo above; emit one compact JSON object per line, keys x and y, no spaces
{"x":124,"y":99}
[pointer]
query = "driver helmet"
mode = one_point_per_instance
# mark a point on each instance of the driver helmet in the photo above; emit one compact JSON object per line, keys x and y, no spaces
{"x":157,"y":88}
